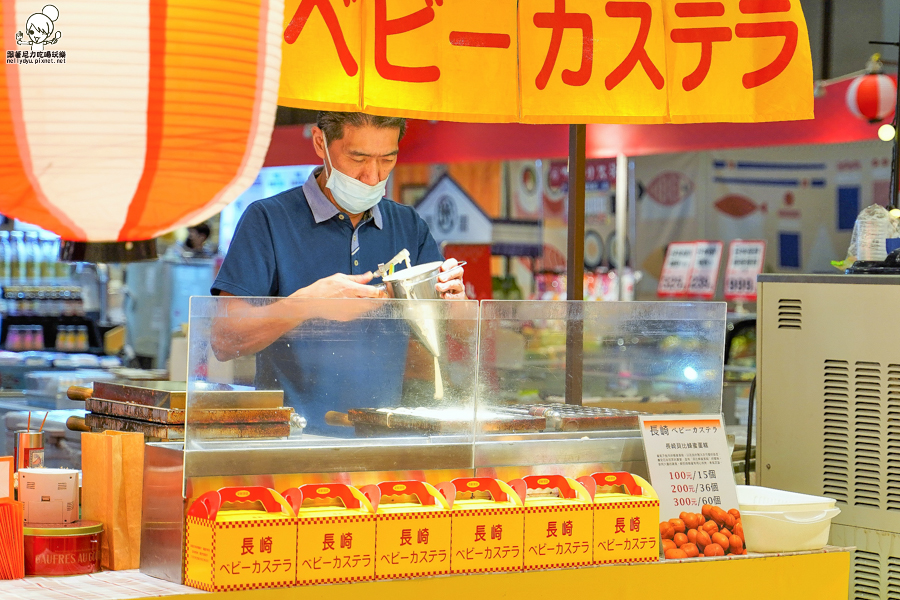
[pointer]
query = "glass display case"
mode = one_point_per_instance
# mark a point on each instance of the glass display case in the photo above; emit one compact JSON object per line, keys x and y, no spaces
{"x":363,"y":391}
{"x":585,"y":371}
{"x":658,"y":355}
{"x":338,"y":385}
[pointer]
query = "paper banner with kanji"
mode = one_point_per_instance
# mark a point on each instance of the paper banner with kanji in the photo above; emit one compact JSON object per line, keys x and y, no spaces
{"x":321,"y":70}
{"x":550,"y":61}
{"x":441,"y":62}
{"x":738,"y":61}
{"x":583,"y":61}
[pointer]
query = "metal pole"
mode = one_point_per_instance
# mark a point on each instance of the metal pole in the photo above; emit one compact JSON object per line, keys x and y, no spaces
{"x":621,"y":220}
{"x":575,"y":265}
{"x":827,"y":29}
{"x":894,"y":160}
{"x":632,"y":214}
{"x":575,"y":258}
{"x":895,"y":155}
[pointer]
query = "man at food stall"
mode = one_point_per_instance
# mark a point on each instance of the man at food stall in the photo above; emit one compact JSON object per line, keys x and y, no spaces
{"x":324,"y":240}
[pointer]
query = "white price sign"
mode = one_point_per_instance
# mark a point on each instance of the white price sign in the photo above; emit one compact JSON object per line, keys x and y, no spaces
{"x":676,"y":272}
{"x":705,"y":274}
{"x":689,"y":463}
{"x":745,"y":262}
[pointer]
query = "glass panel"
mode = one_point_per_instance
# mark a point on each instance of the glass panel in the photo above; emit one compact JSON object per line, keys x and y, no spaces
{"x":628,"y":357}
{"x":287,"y":386}
{"x":296,"y":374}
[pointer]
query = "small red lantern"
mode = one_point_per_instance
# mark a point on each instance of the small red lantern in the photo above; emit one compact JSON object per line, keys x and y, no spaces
{"x":872,"y":97}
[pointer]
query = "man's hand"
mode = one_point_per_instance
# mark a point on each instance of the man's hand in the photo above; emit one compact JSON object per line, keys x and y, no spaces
{"x":243,"y":329}
{"x":341,"y":286}
{"x":450,"y":281}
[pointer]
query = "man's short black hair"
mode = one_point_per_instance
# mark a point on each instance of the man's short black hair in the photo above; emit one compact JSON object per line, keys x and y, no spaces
{"x":332,"y":123}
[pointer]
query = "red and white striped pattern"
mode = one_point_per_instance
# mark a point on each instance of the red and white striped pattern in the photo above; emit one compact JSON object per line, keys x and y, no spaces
{"x":872,"y":97}
{"x":160,"y":116}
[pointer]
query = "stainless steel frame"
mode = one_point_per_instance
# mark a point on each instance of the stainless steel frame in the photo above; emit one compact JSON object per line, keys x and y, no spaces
{"x":260,"y":458}
{"x":162,"y":515}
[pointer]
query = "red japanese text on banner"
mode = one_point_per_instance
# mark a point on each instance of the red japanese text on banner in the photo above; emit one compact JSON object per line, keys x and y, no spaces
{"x":736,"y":61}
{"x":441,"y":60}
{"x":586,"y":61}
{"x":321,"y":54}
{"x":550,"y":61}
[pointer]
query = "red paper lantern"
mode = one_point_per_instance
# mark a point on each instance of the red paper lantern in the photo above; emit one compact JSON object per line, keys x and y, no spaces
{"x":121,"y":121}
{"x":872,"y":97}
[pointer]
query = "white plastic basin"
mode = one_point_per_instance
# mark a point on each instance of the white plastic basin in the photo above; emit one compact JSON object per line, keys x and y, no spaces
{"x":780,"y":521}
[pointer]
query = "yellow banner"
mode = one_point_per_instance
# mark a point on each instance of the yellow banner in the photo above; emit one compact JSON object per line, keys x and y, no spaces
{"x":738,"y":61}
{"x":550,"y":61}
{"x":454,"y":61}
{"x":321,"y":55}
{"x":583,"y":61}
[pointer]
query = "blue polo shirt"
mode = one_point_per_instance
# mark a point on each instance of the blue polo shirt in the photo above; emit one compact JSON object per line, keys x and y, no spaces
{"x":292,"y":240}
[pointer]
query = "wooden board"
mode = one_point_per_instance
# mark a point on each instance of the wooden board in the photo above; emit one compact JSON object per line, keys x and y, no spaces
{"x":175,"y":433}
{"x":174,"y":416}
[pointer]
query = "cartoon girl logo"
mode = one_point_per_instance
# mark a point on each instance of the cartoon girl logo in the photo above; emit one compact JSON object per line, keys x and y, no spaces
{"x":39,"y":29}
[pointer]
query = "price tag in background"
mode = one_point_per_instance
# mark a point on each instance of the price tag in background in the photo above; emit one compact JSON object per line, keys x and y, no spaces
{"x":705,"y":274}
{"x":676,"y":272}
{"x":745,"y":262}
{"x":689,"y":463}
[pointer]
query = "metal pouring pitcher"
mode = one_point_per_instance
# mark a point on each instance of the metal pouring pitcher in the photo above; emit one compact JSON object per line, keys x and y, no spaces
{"x":417,"y":283}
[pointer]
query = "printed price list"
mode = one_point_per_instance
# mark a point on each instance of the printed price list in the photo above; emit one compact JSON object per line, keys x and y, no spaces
{"x":689,"y":463}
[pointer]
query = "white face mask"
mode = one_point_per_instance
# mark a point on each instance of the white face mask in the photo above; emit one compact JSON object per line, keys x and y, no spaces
{"x":352,"y":195}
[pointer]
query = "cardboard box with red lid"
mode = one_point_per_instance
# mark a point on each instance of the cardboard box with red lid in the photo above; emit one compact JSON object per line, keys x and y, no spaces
{"x":240,"y":539}
{"x":626,"y":517}
{"x":336,"y":533}
{"x":488,"y":519}
{"x":559,"y":522}
{"x":412,"y":532}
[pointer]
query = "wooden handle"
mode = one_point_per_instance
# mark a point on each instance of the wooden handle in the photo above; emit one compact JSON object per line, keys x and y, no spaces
{"x":79,"y":393}
{"x":337,"y":419}
{"x":77,"y":424}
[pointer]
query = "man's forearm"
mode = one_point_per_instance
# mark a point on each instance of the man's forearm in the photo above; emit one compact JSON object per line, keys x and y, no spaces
{"x":241,"y":329}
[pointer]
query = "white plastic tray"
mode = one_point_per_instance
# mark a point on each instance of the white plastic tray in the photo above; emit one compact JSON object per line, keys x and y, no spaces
{"x":780,"y":521}
{"x":761,"y":499}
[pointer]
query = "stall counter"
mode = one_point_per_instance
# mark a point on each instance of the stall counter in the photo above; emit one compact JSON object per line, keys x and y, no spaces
{"x":823,"y":575}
